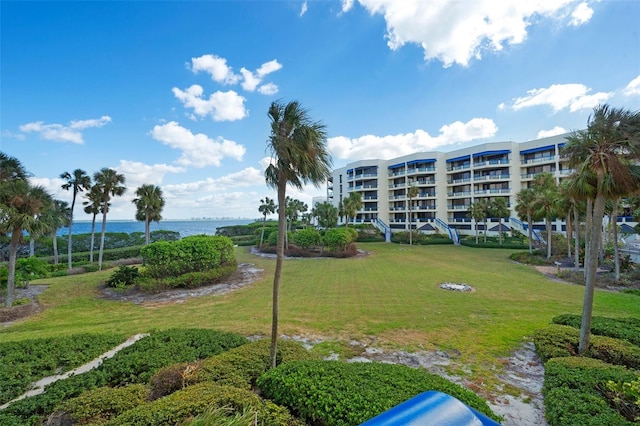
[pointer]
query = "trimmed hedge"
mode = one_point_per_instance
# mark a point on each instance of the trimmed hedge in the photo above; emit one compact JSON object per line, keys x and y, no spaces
{"x":198,"y":399}
{"x":341,"y":394}
{"x":621,"y":328}
{"x":562,"y":341}
{"x":134,"y":364}
{"x":24,"y":362}
{"x":571,"y":395}
{"x":100,"y":405}
{"x":489,"y":244}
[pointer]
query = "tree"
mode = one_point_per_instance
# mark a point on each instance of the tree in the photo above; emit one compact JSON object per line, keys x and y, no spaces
{"x":77,"y":182}
{"x":93,"y":206}
{"x":54,"y":216}
{"x":352,"y":204}
{"x":299,"y":156}
{"x":149,"y":204}
{"x":327,"y":215}
{"x":524,"y":208}
{"x":110,"y":184}
{"x":21,"y":204}
{"x":478,"y":211}
{"x":546,"y":197}
{"x":605,"y":150}
{"x":412,"y":192}
{"x":267,"y":207}
{"x":498,"y":208}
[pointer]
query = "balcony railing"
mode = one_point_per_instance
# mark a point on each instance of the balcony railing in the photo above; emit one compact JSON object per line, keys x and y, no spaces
{"x":539,"y":159}
{"x":490,"y":177}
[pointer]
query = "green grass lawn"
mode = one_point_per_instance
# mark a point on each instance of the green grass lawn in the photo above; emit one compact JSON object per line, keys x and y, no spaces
{"x":390,"y":298}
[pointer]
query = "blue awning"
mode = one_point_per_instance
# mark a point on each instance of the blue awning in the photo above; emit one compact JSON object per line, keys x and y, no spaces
{"x":395,"y":166}
{"x":349,"y":171}
{"x":542,"y":148}
{"x":487,"y":153}
{"x":425,"y":161}
{"x":464,"y":157}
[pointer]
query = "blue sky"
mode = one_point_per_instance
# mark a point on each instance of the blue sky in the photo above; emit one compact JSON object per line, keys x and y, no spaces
{"x":176,"y":93}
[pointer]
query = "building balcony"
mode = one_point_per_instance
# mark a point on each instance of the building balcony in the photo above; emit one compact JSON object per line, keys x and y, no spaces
{"x":491,"y":177}
{"x":455,"y":181}
{"x":459,"y":207}
{"x":545,"y":159}
{"x":491,"y":191}
{"x":490,"y":163}
{"x":421,"y":170}
{"x":459,"y":167}
{"x":459,"y":194}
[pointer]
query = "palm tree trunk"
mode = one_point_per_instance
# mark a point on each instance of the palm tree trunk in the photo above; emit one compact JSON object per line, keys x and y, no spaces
{"x":147,"y":234}
{"x":70,"y":233}
{"x":500,"y":230}
{"x":530,"y":231}
{"x":616,"y":254}
{"x":32,"y":245}
{"x":587,"y":236}
{"x":576,"y":248}
{"x":54,"y":240}
{"x":485,"y":230}
{"x":591,"y":268}
{"x":13,"y":256}
{"x":548,"y":225}
{"x":264,"y":223}
{"x":568,"y":225}
{"x":282,"y":229}
{"x":410,"y":227}
{"x":104,"y":228}
{"x":475,"y":225}
{"x":93,"y":233}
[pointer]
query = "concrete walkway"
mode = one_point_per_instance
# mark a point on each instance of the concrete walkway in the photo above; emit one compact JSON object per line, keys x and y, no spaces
{"x":38,"y":387}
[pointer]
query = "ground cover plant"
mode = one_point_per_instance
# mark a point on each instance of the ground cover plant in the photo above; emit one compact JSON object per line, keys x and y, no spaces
{"x":389,"y":298}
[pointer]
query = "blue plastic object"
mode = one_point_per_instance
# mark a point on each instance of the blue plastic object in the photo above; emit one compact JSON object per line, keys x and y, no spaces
{"x":431,"y":409}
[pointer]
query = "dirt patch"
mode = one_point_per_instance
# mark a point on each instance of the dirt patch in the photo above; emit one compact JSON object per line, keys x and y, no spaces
{"x":246,"y":274}
{"x":9,"y":315}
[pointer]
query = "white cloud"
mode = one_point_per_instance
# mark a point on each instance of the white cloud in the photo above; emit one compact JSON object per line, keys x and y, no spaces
{"x":138,"y":173}
{"x":561,"y":96}
{"x":221,"y":106}
{"x":198,"y":150}
{"x":304,"y":8}
{"x":216,"y":67}
{"x":385,"y":147}
{"x":557,"y":130}
{"x":633,"y":88}
{"x":9,"y":134}
{"x":244,"y":178}
{"x":253,"y":80}
{"x":59,"y":132}
{"x":454,"y":31}
{"x":581,"y":14}
{"x":347,"y":5}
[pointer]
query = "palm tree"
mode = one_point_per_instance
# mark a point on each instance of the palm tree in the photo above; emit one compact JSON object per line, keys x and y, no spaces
{"x":299,"y":155}
{"x":77,"y":182}
{"x":524,"y":207}
{"x":54,"y":216}
{"x":499,"y":209}
{"x":21,"y":204}
{"x":93,"y":206}
{"x":478,"y":211}
{"x":267,"y":207}
{"x":352,"y":204}
{"x":110,"y":184}
{"x":412,"y":192}
{"x":149,"y":205}
{"x":327,"y":215}
{"x":606,"y":150}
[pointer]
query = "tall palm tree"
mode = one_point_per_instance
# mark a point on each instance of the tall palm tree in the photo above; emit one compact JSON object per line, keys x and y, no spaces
{"x":352,"y":204}
{"x":499,"y":209}
{"x":77,"y":182}
{"x":524,"y":208}
{"x":327,"y":215}
{"x":412,"y":192}
{"x":22,"y":203}
{"x":299,"y":156}
{"x":478,"y":212}
{"x":93,"y":206}
{"x":10,"y":169}
{"x":110,"y":184}
{"x":267,"y":207}
{"x":149,"y":204}
{"x":606,"y":150}
{"x":54,"y":216}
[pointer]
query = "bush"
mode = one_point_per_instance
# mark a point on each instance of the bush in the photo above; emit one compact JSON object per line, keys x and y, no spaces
{"x":535,"y":258}
{"x":337,"y":393}
{"x":571,"y":392}
{"x":338,"y":238}
{"x":562,"y":341}
{"x":99,"y":405}
{"x":170,"y":379}
{"x":198,"y":279}
{"x":621,"y":328}
{"x":198,"y":399}
{"x":122,"y":277}
{"x":307,"y":238}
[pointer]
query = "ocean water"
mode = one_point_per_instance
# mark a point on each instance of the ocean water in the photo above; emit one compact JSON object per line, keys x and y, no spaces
{"x":184,"y":227}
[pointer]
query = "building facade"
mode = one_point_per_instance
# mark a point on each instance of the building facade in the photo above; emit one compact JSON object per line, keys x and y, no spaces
{"x":448,"y":184}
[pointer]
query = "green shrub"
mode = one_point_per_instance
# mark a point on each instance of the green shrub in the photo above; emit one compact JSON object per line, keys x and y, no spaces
{"x":621,"y":328}
{"x":21,"y":301}
{"x":122,"y":277}
{"x":198,"y":279}
{"x":338,"y":238}
{"x":31,"y":268}
{"x":625,"y":397}
{"x":634,"y":291}
{"x":99,"y":405}
{"x":200,"y":398}
{"x":535,"y":258}
{"x":514,"y":245}
{"x":307,"y":238}
{"x":571,"y":392}
{"x":242,"y":366}
{"x":562,"y":341}
{"x":338,"y":393}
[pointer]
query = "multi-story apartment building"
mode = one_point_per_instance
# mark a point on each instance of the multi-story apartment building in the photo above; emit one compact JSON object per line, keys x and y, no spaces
{"x":448,"y":184}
